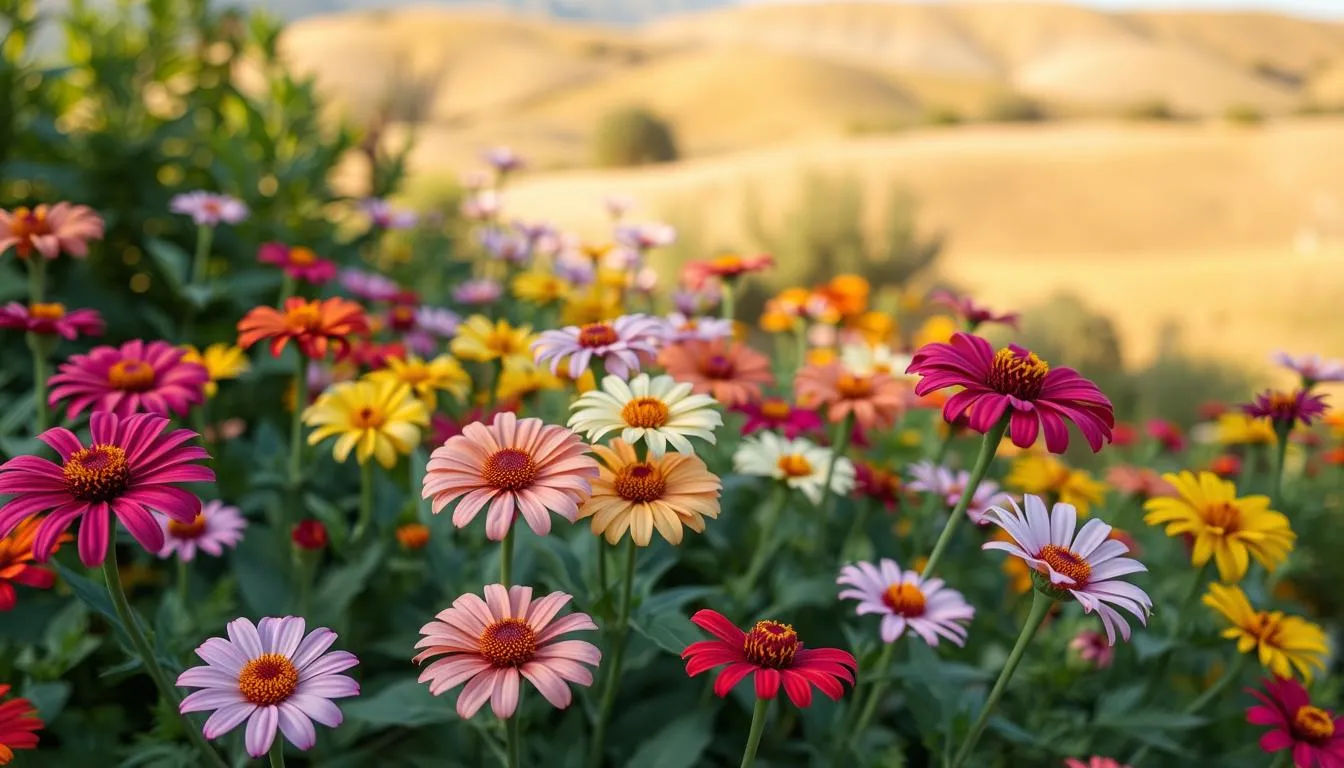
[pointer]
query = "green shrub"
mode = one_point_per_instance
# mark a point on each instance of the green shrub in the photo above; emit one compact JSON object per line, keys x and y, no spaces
{"x":1014,"y":108}
{"x":941,"y":115}
{"x":633,"y":136}
{"x":1243,"y":114}
{"x":1149,"y":109}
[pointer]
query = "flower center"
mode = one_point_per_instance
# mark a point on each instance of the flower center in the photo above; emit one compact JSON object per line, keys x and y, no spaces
{"x":303,"y":257}
{"x":97,"y":473}
{"x":192,"y":530}
{"x":905,"y":599}
{"x":1067,"y":563}
{"x":1313,"y":723}
{"x":47,"y":311}
{"x":500,"y":343}
{"x":304,"y":318}
{"x":402,"y":317}
{"x":508,"y":643}
{"x":131,"y":375}
{"x":641,"y":483}
{"x":509,"y":469}
{"x":211,"y":207}
{"x":771,"y":644}
{"x":1224,"y":517}
{"x":646,"y":413}
{"x":597,"y":335}
{"x":718,"y":367}
{"x":776,"y":409}
{"x":795,"y":465}
{"x":29,"y":223}
{"x":367,"y":417}
{"x":853,"y":387}
{"x":1018,"y":373}
{"x":268,"y":679}
{"x":728,"y":266}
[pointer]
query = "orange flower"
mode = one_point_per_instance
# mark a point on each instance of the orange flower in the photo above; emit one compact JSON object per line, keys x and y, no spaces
{"x":51,"y":231}
{"x":848,"y":294}
{"x":314,"y":325}
{"x":413,"y":536}
{"x":1335,"y":457}
{"x":876,"y":328}
{"x":730,"y":372}
{"x":16,"y":557}
{"x":663,"y":493}
{"x":875,"y":400}
{"x":731,"y":265}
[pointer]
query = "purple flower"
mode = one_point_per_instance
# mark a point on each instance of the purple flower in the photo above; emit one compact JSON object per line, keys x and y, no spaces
{"x":438,"y":321}
{"x":618,"y":205}
{"x":621,"y":345}
{"x":680,"y":327}
{"x":369,"y":286}
{"x":208,"y":209}
{"x":503,"y":159}
{"x":385,"y":217}
{"x":906,"y":601}
{"x":510,"y":247}
{"x":477,"y":292}
{"x":940,"y":481}
{"x":1312,"y":368}
{"x":216,"y":526}
{"x":483,"y":205}
{"x":642,"y":237}
{"x":699,"y":302}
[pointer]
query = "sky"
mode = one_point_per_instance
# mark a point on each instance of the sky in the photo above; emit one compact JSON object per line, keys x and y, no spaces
{"x":1328,"y":9}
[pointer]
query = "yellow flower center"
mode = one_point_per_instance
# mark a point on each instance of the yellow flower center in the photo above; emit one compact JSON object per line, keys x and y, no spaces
{"x":368,"y":417}
{"x":305,"y":317}
{"x":1313,"y":723}
{"x":131,"y":375}
{"x":794,"y":465}
{"x":509,"y":469}
{"x":268,"y":679}
{"x":646,"y":413}
{"x":1021,"y":376}
{"x":640,"y":483}
{"x":597,"y":335}
{"x":508,"y":643}
{"x":414,"y":373}
{"x":97,"y":473}
{"x":854,"y":387}
{"x":47,"y":311}
{"x":403,"y":315}
{"x":29,"y":223}
{"x":776,"y":409}
{"x":1067,"y":563}
{"x":904,"y":599}
{"x":190,"y":530}
{"x":1223,"y":517}
{"x":728,"y":265}
{"x":501,"y":343}
{"x":771,"y":644}
{"x":303,"y":257}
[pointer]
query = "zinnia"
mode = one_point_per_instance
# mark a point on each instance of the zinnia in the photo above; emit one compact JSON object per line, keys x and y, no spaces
{"x":495,"y":643}
{"x":130,"y":467}
{"x":730,"y":372}
{"x":427,"y":378}
{"x":1286,"y":409}
{"x":904,"y":600}
{"x":19,"y":725}
{"x":778,"y":415}
{"x":298,"y":262}
{"x":216,"y":526}
{"x":50,"y":230}
{"x":16,"y":564}
{"x":314,"y":325}
{"x":927,"y":477}
{"x":1312,"y":368}
{"x":623,"y":345}
{"x":133,"y":378}
{"x":374,"y":418}
{"x":874,"y":400}
{"x":208,"y":209}
{"x":1092,"y":647}
{"x":799,"y":463}
{"x":1315,"y":735}
{"x":663,"y":492}
{"x":51,"y":320}
{"x":474,"y":293}
{"x":1283,"y":644}
{"x":659,"y":411}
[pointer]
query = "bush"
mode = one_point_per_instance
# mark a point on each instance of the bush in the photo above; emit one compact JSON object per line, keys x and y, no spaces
{"x":1014,"y":108}
{"x":1244,"y":114}
{"x":941,"y":115}
{"x":1149,"y":109}
{"x":633,"y":136}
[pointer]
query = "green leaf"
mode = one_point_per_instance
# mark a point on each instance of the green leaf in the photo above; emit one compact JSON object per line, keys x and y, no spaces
{"x":674,"y":599}
{"x":263,"y":578}
{"x":48,"y":698}
{"x":680,"y":745}
{"x":171,"y":260}
{"x":670,"y":631}
{"x":1146,"y":646}
{"x":95,"y":596}
{"x":405,"y":703}
{"x":564,"y":567}
{"x":198,"y":295}
{"x":342,"y":585}
{"x":17,"y":414}
{"x":1146,"y":720}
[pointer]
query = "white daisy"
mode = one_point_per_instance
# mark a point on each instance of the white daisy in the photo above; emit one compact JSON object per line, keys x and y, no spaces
{"x":799,"y":463}
{"x":863,"y":359}
{"x":657,"y":410}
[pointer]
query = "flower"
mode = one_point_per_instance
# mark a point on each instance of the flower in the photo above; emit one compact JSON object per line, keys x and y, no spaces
{"x":848,"y":294}
{"x":376,"y":418}
{"x":730,"y":266}
{"x":133,"y":378}
{"x":51,"y":320}
{"x":368,"y":286}
{"x":480,"y":340}
{"x":679,"y":327}
{"x":1312,"y":368}
{"x":928,"y":477}
{"x":367,"y":353}
{"x":1225,"y":527}
{"x":298,"y":262}
{"x":1286,"y":408}
{"x":1167,"y":433}
{"x":867,"y":359}
{"x":1142,"y":482}
{"x":503,"y":159}
{"x":216,"y":526}
{"x":905,"y":600}
{"x":313,"y":325}
{"x":493,"y":644}
{"x":50,"y":230}
{"x":19,"y":724}
{"x":477,"y":292}
{"x":270,"y":675}
{"x":1046,"y":475}
{"x":1086,"y":567}
{"x":877,"y":483}
{"x":309,"y":534}
{"x":540,"y":287}
{"x":778,"y":415}
{"x":662,"y":492}
{"x":209,"y":209}
{"x":427,"y":378}
{"x":514,"y":466}
{"x":383,"y":216}
{"x":437,"y":321}
{"x":799,"y":463}
{"x":130,"y":467}
{"x":519,"y":380}
{"x":730,"y":372}
{"x":697,"y":301}
{"x":974,"y":315}
{"x":622,"y":345}
{"x":16,"y":558}
{"x":412,"y":536}
{"x":221,"y":362}
{"x":657,"y":410}
{"x":1092,"y":647}
{"x":772,"y":654}
{"x":1096,"y":761}
{"x":874,"y":400}
{"x":482,"y":205}
{"x":1239,"y":428}
{"x":1282,"y":643}
{"x":1315,"y":735}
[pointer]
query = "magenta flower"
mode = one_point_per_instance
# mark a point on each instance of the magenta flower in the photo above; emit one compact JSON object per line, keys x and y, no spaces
{"x":475,"y":293}
{"x":216,"y":526}
{"x":1092,"y":647}
{"x":51,"y":320}
{"x":1016,"y":384}
{"x":134,"y":378}
{"x":623,"y":345}
{"x":298,"y":262}
{"x":208,"y":209}
{"x":369,"y":286}
{"x":906,"y":601}
{"x":1286,"y":408}
{"x":1167,"y":433}
{"x":129,"y":468}
{"x":384,"y":217}
{"x":1312,"y":368}
{"x":1315,"y":735}
{"x":974,"y":315}
{"x":273,"y":677}
{"x":779,"y":415}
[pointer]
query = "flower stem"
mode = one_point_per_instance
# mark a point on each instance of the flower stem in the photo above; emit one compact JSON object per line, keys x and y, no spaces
{"x":799,"y":345}
{"x":728,"y":305}
{"x":769,"y":540}
{"x":622,"y":630}
{"x":758,"y":714}
{"x":1281,"y":430}
{"x":838,"y":445}
{"x":506,"y":556}
{"x":513,"y":739}
{"x":1187,"y":602}
{"x":277,"y":754}
{"x":295,"y":442}
{"x":205,"y":236}
{"x":982,"y":462}
{"x":183,"y":591}
{"x":1229,"y":677}
{"x":601,"y":571}
{"x":146,"y":653}
{"x":366,"y":502}
{"x":287,"y":286}
{"x":37,"y":286}
{"x":1040,"y":606}
{"x":874,"y":695}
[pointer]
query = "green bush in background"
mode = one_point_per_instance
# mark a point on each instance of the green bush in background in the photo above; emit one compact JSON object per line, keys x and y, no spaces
{"x":633,"y":136}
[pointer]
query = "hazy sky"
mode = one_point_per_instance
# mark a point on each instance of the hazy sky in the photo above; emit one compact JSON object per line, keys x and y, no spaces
{"x":1322,"y":8}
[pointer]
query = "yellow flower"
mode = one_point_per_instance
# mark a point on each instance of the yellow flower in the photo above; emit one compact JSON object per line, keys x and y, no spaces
{"x":540,"y":287}
{"x":1236,"y":428}
{"x":821,"y":356}
{"x":1283,"y":643}
{"x":938,"y":328}
{"x":221,"y":361}
{"x":877,"y":328}
{"x":591,"y":307}
{"x":1335,"y":421}
{"x":518,"y":380}
{"x":480,"y":340}
{"x":427,"y":378}
{"x":1044,"y":474}
{"x":1226,"y":528}
{"x":613,"y":278}
{"x":379,"y":419}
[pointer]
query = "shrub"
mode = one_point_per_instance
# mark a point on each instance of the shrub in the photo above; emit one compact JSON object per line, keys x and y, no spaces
{"x":941,"y":115}
{"x":633,"y":136}
{"x":1244,"y":114}
{"x":1014,"y":108}
{"x":1149,"y":109}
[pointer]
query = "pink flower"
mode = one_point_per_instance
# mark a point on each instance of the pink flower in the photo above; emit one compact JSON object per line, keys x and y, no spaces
{"x":50,"y":231}
{"x":904,"y":600}
{"x":623,"y":345}
{"x":485,"y":204}
{"x":129,"y":468}
{"x":298,"y":262}
{"x":1096,"y":761}
{"x":475,"y":293}
{"x":1092,"y":647}
{"x":216,"y":526}
{"x":930,"y":478}
{"x":1167,"y":433}
{"x":273,"y":677}
{"x":129,"y":379}
{"x":974,"y":315}
{"x":503,"y":159}
{"x":514,"y":466}
{"x":642,"y":237}
{"x":693,"y":302}
{"x":1315,"y":735}
{"x":509,"y":247}
{"x":208,"y":209}
{"x":368,"y":286}
{"x":679,"y":327}
{"x":779,"y":415}
{"x":495,"y":643}
{"x":51,"y":320}
{"x":618,"y":205}
{"x":1312,"y":368}
{"x":1139,"y":481}
{"x":1286,"y":407}
{"x":1017,"y":384}
{"x":384,"y":217}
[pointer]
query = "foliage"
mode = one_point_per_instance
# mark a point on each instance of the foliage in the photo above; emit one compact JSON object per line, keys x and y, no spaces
{"x":1149,"y":109}
{"x":1247,"y":115}
{"x":633,"y":136}
{"x":1014,"y":108}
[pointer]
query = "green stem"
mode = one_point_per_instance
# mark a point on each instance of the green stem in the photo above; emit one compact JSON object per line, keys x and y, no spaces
{"x":622,"y":630}
{"x":1187,"y":602}
{"x":1229,"y":677}
{"x":728,"y":306}
{"x":945,"y":446}
{"x":513,"y":740}
{"x":287,"y":286}
{"x":1040,"y":606}
{"x":146,"y":653}
{"x":839,"y":443}
{"x":365,"y":502}
{"x":799,"y":345}
{"x":506,"y":556}
{"x":982,"y":462}
{"x":37,"y":278}
{"x":204,"y":237}
{"x":758,"y":714}
{"x":768,"y":542}
{"x":601,"y":571}
{"x":856,"y":528}
{"x":870,"y":704}
{"x":183,"y":585}
{"x":1281,"y":430}
{"x":277,"y":755}
{"x":37,"y":286}
{"x":295,"y":442}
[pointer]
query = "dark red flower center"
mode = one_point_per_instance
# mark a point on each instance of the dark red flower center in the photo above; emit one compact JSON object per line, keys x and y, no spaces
{"x":1313,"y":724}
{"x":47,"y":311}
{"x":642,"y":482}
{"x":508,"y":643}
{"x":776,"y":408}
{"x":367,"y":417}
{"x":771,"y":644}
{"x":131,"y":375}
{"x":268,"y":679}
{"x":97,"y":473}
{"x":905,"y":600}
{"x":1017,"y":373}
{"x":718,"y":367}
{"x":596,"y":335}
{"x":509,"y":469}
{"x":1065,"y":562}
{"x":190,"y":530}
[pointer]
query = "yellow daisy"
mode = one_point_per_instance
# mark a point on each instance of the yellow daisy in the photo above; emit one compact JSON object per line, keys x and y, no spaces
{"x":1283,"y":643}
{"x":1224,"y":527}
{"x":379,"y":419}
{"x":592,"y":307}
{"x":519,"y":379}
{"x":427,"y":378}
{"x":1046,"y":475}
{"x":481,"y":340}
{"x":221,"y":361}
{"x":938,"y":328}
{"x":1236,"y":428}
{"x":539,"y":287}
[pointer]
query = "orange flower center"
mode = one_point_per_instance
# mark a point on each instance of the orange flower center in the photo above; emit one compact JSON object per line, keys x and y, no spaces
{"x":303,"y":257}
{"x":1021,"y":376}
{"x":367,"y":418}
{"x":509,"y":469}
{"x":97,"y":473}
{"x":508,"y":643}
{"x":413,"y":535}
{"x":305,"y":317}
{"x":192,"y":530}
{"x":47,"y":311}
{"x":646,"y":413}
{"x":1067,"y":563}
{"x":1224,"y":517}
{"x":776,"y":409}
{"x":211,"y":207}
{"x":641,"y":483}
{"x":771,"y":644}
{"x":131,"y":375}
{"x":29,"y":223}
{"x":268,"y":679}
{"x":597,"y":335}
{"x":904,"y":599}
{"x":1313,"y":723}
{"x":854,"y":387}
{"x":403,"y":316}
{"x":728,"y":266}
{"x":795,"y":465}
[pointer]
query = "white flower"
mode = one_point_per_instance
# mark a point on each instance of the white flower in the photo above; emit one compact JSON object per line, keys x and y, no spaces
{"x":865,"y":360}
{"x":799,"y":463}
{"x":208,"y":209}
{"x":657,"y":410}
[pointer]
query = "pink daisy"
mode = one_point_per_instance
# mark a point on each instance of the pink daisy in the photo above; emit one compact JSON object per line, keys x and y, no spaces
{"x":1016,"y":382}
{"x":50,"y":230}
{"x":492,"y":644}
{"x":1096,"y":761}
{"x":384,"y":217}
{"x":779,"y":415}
{"x":1092,"y":647}
{"x":974,"y":315}
{"x":1315,"y":735}
{"x":208,"y":209}
{"x":475,"y":293}
{"x":298,"y":262}
{"x":1312,"y":368}
{"x":135,"y":377}
{"x":369,"y":286}
{"x":272,"y":676}
{"x":129,"y":468}
{"x":904,"y":600}
{"x":1087,"y":566}
{"x":930,"y":478}
{"x":1286,"y":408}
{"x":216,"y":526}
{"x":623,"y":345}
{"x":51,"y":320}
{"x":514,"y":466}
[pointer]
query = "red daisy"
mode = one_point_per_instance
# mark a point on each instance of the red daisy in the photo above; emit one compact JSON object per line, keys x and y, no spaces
{"x":19,"y":724}
{"x":136,"y":377}
{"x":1017,"y":382}
{"x":1315,"y":735}
{"x":16,"y":564}
{"x":130,"y":467}
{"x":772,"y":653}
{"x":298,"y":262}
{"x":51,"y":320}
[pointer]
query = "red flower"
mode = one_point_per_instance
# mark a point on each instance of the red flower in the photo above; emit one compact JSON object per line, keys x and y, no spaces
{"x":1167,"y":433}
{"x":1225,"y":466}
{"x":1211,"y":410}
{"x":51,"y":320}
{"x":298,"y":262}
{"x":309,"y":534}
{"x":1315,"y":735}
{"x":1123,"y":435}
{"x":19,"y":724}
{"x":874,"y":482}
{"x":16,"y":563}
{"x":773,"y":654}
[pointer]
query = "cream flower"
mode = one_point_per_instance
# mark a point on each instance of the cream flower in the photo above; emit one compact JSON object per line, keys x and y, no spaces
{"x":658,"y":410}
